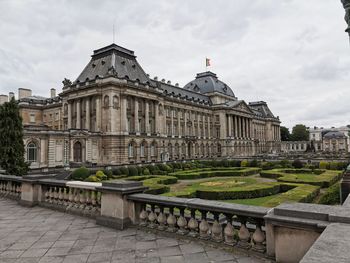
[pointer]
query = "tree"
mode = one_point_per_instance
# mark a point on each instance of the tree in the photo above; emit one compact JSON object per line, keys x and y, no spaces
{"x":11,"y":140}
{"x":300,"y":133}
{"x":285,"y":134}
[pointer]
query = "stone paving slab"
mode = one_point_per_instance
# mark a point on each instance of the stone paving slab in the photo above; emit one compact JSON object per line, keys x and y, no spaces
{"x":46,"y":236}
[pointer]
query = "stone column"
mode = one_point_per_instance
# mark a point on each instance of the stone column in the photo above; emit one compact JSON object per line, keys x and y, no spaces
{"x":185,"y":123}
{"x":123,"y":115}
{"x":156,"y":118}
{"x":78,"y":126}
{"x":236,"y":126}
{"x":98,"y":113}
{"x":229,"y":133}
{"x":147,"y":128}
{"x":239,"y":127}
{"x":112,"y":111}
{"x":209,"y":127}
{"x":87,"y":114}
{"x":198,"y":126}
{"x":136,"y":116}
{"x":69,"y":115}
{"x":178,"y":124}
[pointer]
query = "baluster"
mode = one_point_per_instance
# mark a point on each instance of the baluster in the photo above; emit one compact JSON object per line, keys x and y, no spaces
{"x":229,"y":231}
{"x":93,"y":201}
{"x":60,"y":196}
{"x":51,"y":195}
{"x":171,"y":220}
{"x":70,"y":198}
{"x":182,"y":222}
{"x":193,"y":224}
{"x":204,"y":226}
{"x":216,"y":229}
{"x":65,"y":196}
{"x":152,"y":218}
{"x":88,"y":199}
{"x":19,"y":190}
{"x":161,"y":219}
{"x":98,"y":201}
{"x":243,"y":234}
{"x":82,"y":199}
{"x":143,"y":216}
{"x":7,"y":188}
{"x":258,"y":238}
{"x":76,"y":197}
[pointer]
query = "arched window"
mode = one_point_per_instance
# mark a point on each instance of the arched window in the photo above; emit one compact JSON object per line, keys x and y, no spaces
{"x":153,"y":149}
{"x":115,"y":102}
{"x":131,"y":150}
{"x":32,"y":152}
{"x":143,"y":149}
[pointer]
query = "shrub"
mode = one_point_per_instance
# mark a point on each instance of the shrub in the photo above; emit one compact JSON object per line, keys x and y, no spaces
{"x":108,"y":173}
{"x":101,"y":176}
{"x":80,"y":174}
{"x":224,"y":163}
{"x":332,"y":195}
{"x":244,"y":163}
{"x":124,"y":170}
{"x":235,"y":163}
{"x":323,"y":165}
{"x":285,"y":164}
{"x":116,"y":171}
{"x":254,"y":163}
{"x":133,"y":171}
{"x":139,"y":170}
{"x":267,"y":165}
{"x":92,"y":178}
{"x":297,"y":164}
{"x":146,"y":171}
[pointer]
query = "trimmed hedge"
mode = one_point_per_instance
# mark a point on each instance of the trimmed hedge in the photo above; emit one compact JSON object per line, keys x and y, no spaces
{"x":251,"y":191}
{"x":157,"y":184}
{"x":80,"y":174}
{"x":215,"y":172}
{"x":332,"y":195}
{"x":323,"y":178}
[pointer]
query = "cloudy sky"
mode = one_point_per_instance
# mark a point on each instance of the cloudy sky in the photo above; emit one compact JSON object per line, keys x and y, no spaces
{"x":293,"y":54}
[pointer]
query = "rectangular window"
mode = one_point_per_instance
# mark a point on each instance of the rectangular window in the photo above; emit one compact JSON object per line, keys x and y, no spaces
{"x":32,"y":118}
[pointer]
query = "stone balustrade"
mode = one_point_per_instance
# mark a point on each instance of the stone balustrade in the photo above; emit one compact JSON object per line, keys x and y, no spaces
{"x":10,"y":187}
{"x":285,"y":233}
{"x":230,"y":224}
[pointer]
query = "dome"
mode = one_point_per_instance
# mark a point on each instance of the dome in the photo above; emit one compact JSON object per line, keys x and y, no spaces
{"x":334,"y":134}
{"x":208,"y":82}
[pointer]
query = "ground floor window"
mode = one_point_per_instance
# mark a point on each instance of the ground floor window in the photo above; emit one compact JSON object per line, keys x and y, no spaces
{"x":32,"y":152}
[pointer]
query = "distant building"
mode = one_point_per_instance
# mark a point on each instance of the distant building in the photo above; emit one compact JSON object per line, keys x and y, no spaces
{"x":114,"y":113}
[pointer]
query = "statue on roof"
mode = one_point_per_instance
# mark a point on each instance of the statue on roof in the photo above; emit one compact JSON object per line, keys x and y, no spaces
{"x":346,"y":5}
{"x":66,"y":82}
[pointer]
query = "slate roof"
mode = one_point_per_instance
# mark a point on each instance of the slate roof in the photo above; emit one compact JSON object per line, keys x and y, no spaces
{"x":334,"y":134}
{"x":261,"y":109}
{"x":116,"y":61}
{"x":208,"y":82}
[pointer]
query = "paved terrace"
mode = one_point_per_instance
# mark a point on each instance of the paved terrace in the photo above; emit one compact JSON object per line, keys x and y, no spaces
{"x":42,"y":235}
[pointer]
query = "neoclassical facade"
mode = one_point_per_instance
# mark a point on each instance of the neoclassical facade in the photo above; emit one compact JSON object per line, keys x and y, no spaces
{"x":114,"y":113}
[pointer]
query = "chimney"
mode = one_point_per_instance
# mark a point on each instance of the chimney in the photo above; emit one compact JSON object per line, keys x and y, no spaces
{"x":53,"y":93}
{"x":24,"y":93}
{"x":11,"y":95}
{"x":3,"y":99}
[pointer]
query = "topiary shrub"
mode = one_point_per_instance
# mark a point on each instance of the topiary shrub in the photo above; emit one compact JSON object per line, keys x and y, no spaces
{"x":116,"y":171}
{"x":323,"y":165}
{"x":124,"y":170}
{"x":267,"y":165}
{"x":244,"y":163}
{"x":139,"y":170}
{"x":80,"y":174}
{"x":92,"y":178}
{"x":146,"y":172}
{"x":100,"y":175}
{"x":254,"y":163}
{"x":108,"y":173}
{"x":297,"y":164}
{"x":133,"y":171}
{"x":285,"y":164}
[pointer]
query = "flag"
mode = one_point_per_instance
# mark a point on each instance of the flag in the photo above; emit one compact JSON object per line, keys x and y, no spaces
{"x":207,"y":62}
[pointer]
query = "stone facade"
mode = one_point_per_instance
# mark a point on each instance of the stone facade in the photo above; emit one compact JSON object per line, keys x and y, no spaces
{"x":114,"y":113}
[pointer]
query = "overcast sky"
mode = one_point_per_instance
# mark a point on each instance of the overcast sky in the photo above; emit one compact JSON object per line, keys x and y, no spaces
{"x":293,"y":54}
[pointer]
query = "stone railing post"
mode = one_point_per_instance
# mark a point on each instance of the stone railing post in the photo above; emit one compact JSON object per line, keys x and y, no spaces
{"x":30,"y":192}
{"x":116,"y":210}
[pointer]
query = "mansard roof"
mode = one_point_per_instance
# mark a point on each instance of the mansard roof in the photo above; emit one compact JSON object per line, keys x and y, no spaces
{"x":334,"y":134}
{"x":113,"y":60}
{"x":261,"y":109}
{"x":208,"y":82}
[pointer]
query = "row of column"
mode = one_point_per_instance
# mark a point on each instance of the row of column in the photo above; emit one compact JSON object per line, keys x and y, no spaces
{"x":77,"y":103}
{"x":176,"y":123}
{"x":276,"y":133}
{"x":239,"y":127}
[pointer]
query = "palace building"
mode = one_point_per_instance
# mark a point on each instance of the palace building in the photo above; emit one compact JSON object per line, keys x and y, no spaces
{"x":114,"y":113}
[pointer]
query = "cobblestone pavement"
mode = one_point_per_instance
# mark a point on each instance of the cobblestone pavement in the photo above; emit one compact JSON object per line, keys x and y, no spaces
{"x":42,"y":235}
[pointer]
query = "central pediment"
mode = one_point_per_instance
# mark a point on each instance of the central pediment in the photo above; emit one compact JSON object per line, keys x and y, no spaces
{"x":240,"y":105}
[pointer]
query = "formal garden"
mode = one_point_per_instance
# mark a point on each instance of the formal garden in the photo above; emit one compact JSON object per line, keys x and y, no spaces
{"x":243,"y":182}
